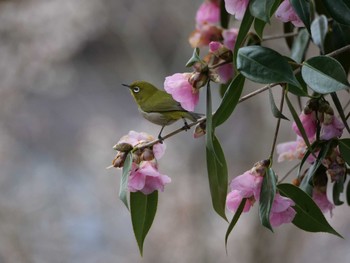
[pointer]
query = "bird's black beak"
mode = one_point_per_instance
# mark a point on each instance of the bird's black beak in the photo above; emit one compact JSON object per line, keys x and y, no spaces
{"x":126,"y":85}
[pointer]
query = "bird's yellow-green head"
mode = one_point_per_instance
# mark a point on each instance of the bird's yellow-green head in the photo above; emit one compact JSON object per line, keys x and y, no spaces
{"x":142,"y":91}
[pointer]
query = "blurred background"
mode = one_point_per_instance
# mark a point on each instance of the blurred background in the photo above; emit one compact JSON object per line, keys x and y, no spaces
{"x":62,"y":108}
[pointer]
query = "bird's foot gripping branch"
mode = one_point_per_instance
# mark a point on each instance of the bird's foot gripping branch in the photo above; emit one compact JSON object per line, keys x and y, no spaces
{"x":321,"y":147}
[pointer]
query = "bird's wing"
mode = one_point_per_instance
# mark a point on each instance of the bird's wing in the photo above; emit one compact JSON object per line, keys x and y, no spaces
{"x":163,"y":102}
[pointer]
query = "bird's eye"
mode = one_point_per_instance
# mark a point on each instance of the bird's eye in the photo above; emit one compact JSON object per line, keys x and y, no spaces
{"x":136,"y":89}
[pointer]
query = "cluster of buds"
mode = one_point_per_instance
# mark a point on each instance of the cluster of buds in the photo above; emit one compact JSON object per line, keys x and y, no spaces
{"x":144,"y":174}
{"x":318,"y":114}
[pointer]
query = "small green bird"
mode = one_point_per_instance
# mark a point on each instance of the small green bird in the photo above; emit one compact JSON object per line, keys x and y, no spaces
{"x":159,"y":107}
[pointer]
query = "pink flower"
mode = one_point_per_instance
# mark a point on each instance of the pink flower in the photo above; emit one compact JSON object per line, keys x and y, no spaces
{"x":332,"y":130}
{"x":281,"y":211}
{"x":146,"y":178}
{"x":247,"y":186}
{"x":230,"y":36}
{"x":309,"y":123}
{"x":208,"y":12}
{"x":321,"y":200}
{"x":236,"y":7}
{"x":225,"y":73}
{"x":234,"y":199}
{"x":286,"y":13}
{"x":293,"y":150}
{"x":204,"y":35}
{"x":178,"y":86}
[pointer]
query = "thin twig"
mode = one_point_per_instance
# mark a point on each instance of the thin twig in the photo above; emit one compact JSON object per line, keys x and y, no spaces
{"x":292,"y":34}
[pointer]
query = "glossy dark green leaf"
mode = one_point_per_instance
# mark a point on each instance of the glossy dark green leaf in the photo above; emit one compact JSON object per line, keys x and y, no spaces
{"x":217,"y":175}
{"x":229,"y":101}
{"x":244,"y":28}
{"x":123,"y":188}
{"x":267,"y":195}
{"x":299,"y":91}
{"x":235,"y":220}
{"x":224,"y":16}
{"x":287,"y":29}
{"x":339,"y":10}
{"x":338,"y":189}
{"x":264,"y":65}
{"x":319,"y":30}
{"x":344,"y":148}
{"x":300,"y":45}
{"x":324,"y":74}
{"x":261,"y":9}
{"x":340,"y":110}
{"x":259,"y":26}
{"x":298,"y":122}
{"x":302,"y":8}
{"x":309,"y":216}
{"x":143,"y":209}
{"x":275,"y":111}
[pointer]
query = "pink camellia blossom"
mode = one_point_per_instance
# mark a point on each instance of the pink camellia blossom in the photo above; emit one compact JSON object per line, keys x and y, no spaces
{"x":202,"y":36}
{"x":293,"y":150}
{"x":321,"y":200}
{"x":208,"y":12}
{"x":236,"y":7}
{"x":146,"y":178}
{"x":247,"y":186}
{"x":178,"y":86}
{"x":282,"y":211}
{"x":309,"y":123}
{"x":332,"y":130}
{"x":286,"y":13}
{"x":225,"y":73}
{"x":230,"y":37}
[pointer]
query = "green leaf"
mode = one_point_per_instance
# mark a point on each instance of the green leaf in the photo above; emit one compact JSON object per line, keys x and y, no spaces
{"x":224,"y":16}
{"x":309,"y":216}
{"x":235,"y":220}
{"x":300,"y":45}
{"x":194,"y":59}
{"x":302,"y":8}
{"x":324,"y":74}
{"x":340,"y":110}
{"x":261,"y":9}
{"x":287,"y":29}
{"x":344,"y":148}
{"x":229,"y":101}
{"x":319,"y":30}
{"x":242,"y":33}
{"x":259,"y":26}
{"x":267,"y":195}
{"x":339,"y":10}
{"x":264,"y":65}
{"x":298,"y":122}
{"x":217,"y":175}
{"x":299,"y":91}
{"x":143,"y":209}
{"x":275,"y":111}
{"x":123,"y":188}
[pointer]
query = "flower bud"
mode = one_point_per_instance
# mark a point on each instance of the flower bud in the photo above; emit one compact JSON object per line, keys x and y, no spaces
{"x":123,"y":147}
{"x":118,"y":161}
{"x":199,"y":130}
{"x":198,"y":79}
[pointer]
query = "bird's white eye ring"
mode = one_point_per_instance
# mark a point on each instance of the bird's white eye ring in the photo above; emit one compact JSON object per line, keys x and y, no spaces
{"x":136,"y":89}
